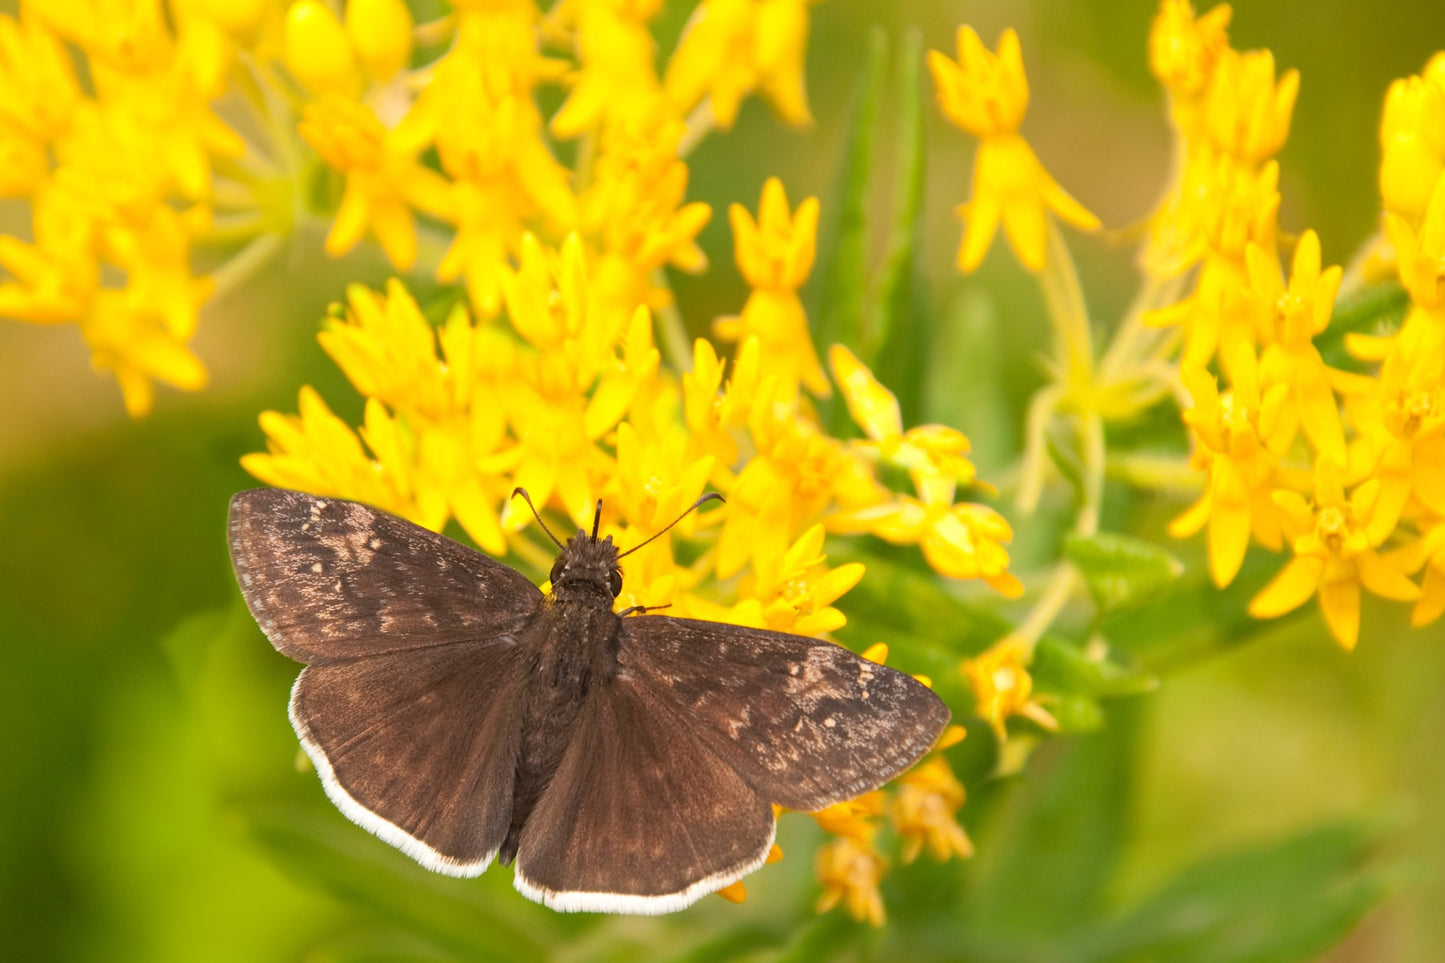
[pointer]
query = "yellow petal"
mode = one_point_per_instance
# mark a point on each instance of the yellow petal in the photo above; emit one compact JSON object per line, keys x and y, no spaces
{"x":1288,"y":590}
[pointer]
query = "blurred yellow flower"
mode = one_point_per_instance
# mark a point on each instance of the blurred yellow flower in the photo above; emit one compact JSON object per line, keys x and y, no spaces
{"x":731,"y":48}
{"x":1412,"y":141}
{"x":923,"y":811}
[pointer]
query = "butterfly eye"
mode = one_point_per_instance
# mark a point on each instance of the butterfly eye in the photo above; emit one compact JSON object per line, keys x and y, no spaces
{"x":557,"y":571}
{"x":616,"y":582}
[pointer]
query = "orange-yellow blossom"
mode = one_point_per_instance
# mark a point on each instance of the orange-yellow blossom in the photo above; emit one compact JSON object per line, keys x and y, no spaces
{"x":1334,"y":556}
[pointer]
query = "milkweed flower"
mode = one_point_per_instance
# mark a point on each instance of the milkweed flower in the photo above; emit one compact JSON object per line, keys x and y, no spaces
{"x":1002,"y":687}
{"x":1240,"y":438}
{"x":775,"y":254}
{"x":923,"y":812}
{"x":1291,"y":317}
{"x":731,"y":48}
{"x":986,"y":94}
{"x":1334,"y":556}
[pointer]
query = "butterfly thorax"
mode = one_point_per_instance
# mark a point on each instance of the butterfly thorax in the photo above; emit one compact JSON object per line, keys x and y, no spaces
{"x":573,"y":648}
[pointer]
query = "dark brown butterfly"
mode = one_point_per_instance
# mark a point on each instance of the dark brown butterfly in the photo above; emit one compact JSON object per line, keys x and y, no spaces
{"x":626,"y":764}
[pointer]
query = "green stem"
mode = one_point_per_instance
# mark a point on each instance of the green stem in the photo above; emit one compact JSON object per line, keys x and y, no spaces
{"x":676,"y":347}
{"x":243,"y":265}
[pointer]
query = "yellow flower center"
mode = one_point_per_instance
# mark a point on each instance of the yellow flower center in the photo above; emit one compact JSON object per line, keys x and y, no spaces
{"x":1332,"y":527}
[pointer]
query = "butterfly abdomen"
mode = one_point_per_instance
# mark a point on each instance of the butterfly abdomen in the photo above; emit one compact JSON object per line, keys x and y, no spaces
{"x":573,"y":648}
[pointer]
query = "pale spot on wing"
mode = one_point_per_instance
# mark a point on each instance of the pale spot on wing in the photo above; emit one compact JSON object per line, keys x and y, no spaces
{"x":375,"y":544}
{"x":830,"y":722}
{"x":316,"y":567}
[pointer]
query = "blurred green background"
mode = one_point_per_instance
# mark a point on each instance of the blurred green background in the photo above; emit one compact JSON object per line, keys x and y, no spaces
{"x":152,"y":807}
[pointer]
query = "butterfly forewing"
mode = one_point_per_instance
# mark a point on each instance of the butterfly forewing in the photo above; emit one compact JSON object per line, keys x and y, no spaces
{"x":332,"y":579}
{"x":641,"y":816}
{"x":418,"y":747}
{"x":806,"y":722}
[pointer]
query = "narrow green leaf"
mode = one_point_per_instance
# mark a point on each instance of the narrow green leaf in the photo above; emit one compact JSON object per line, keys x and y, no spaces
{"x":898,"y":333}
{"x":1120,"y":571}
{"x":844,"y":270}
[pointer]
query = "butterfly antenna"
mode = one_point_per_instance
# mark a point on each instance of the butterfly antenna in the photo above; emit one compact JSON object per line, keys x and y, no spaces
{"x":597,"y":520}
{"x":709,"y":497}
{"x":519,"y":490}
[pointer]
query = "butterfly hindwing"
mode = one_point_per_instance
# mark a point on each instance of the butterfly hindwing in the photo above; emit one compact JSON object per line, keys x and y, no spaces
{"x":641,"y":816}
{"x":806,"y":722}
{"x":332,"y":579}
{"x":418,"y":747}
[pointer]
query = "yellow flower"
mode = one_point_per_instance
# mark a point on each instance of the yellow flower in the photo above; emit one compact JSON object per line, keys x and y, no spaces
{"x":479,"y":112}
{"x":1428,"y":553}
{"x":1239,"y":438}
{"x":987,"y":94}
{"x":635,"y":214}
{"x":384,"y":181}
{"x":381,"y":33}
{"x":1334,"y":556}
{"x":1233,"y":208}
{"x":316,"y":451}
{"x":795,"y":592}
{"x":960,"y":541}
{"x":1292,"y":317}
{"x":1247,"y":114}
{"x":731,"y":48}
{"x":317,"y":51}
{"x":616,"y":79}
{"x":924,"y":808}
{"x":850,"y":870}
{"x":1412,"y":141}
{"x":934,"y":455}
{"x":1400,"y":420}
{"x":1183,"y":49}
{"x":775,"y":254}
{"x":1002,"y":687}
{"x":1420,"y":253}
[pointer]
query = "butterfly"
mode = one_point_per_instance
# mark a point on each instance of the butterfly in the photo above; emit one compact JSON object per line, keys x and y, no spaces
{"x":624,"y":764}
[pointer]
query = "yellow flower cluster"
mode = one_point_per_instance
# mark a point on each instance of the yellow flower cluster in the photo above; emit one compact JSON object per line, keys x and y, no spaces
{"x":547,"y":375}
{"x":1284,"y":424}
{"x":107,"y":132}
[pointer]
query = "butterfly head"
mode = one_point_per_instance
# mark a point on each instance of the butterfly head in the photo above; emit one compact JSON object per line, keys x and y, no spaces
{"x":587,"y":571}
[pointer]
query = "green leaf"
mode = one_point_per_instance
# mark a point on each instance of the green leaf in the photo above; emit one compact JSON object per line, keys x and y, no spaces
{"x":1377,"y":309}
{"x":1062,"y":667}
{"x":1054,"y":842}
{"x":1121,"y":572}
{"x":463,"y":916}
{"x":1281,"y":902}
{"x":844,"y":272}
{"x":897,"y":337}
